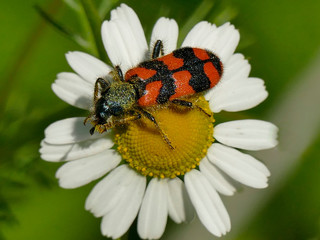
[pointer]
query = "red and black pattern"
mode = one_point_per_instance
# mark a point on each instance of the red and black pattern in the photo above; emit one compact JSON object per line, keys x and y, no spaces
{"x":183,"y":72}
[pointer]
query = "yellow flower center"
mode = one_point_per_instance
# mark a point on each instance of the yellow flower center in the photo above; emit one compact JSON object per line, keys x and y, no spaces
{"x":189,"y":130}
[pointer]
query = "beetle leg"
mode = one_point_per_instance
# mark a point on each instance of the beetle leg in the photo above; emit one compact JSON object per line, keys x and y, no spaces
{"x":189,"y":104}
{"x":152,"y":119}
{"x":119,"y":72}
{"x":133,"y":115}
{"x":157,"y":49}
{"x":101,"y":85}
{"x":182,"y":103}
{"x":86,"y":120}
{"x":115,"y":122}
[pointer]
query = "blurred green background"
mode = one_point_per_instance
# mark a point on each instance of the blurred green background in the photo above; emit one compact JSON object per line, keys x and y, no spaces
{"x":281,"y":39}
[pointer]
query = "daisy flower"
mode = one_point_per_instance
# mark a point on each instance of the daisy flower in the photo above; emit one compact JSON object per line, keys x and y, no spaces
{"x":143,"y":177}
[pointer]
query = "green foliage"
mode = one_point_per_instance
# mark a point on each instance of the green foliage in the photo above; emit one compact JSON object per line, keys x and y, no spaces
{"x":294,"y":213}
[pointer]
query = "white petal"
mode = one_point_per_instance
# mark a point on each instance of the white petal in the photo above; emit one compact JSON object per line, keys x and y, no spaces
{"x":237,"y":68}
{"x":87,"y":66}
{"x":154,"y":210}
{"x":124,"y":39}
{"x":74,"y":90}
{"x":70,"y":130}
{"x":227,"y":41}
{"x":106,"y":195}
{"x":216,"y":178}
{"x":82,"y":171}
{"x":179,"y":205}
{"x":238,"y":96}
{"x":167,"y":31}
{"x":247,"y":134}
{"x":67,"y":152}
{"x":116,"y":222}
{"x":241,"y":167}
{"x":222,"y":40}
{"x":121,"y":45}
{"x":198,"y":35}
{"x":207,"y":203}
{"x":127,"y":14}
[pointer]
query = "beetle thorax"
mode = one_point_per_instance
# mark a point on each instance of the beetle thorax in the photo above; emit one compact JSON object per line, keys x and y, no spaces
{"x":121,"y":95}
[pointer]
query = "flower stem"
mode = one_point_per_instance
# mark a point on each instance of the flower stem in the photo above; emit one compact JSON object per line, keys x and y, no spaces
{"x":105,"y":7}
{"x":61,"y":28}
{"x":94,"y":21}
{"x":199,"y":14}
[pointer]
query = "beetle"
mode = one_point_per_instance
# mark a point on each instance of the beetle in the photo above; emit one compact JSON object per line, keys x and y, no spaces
{"x":183,"y":72}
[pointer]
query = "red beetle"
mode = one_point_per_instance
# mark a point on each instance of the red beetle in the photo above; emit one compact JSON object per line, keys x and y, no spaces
{"x":183,"y":72}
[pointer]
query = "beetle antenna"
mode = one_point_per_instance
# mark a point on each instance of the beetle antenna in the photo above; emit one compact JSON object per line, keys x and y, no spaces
{"x":92,"y":130}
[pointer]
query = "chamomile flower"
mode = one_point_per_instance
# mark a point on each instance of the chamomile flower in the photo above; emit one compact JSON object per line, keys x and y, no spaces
{"x":143,"y":176}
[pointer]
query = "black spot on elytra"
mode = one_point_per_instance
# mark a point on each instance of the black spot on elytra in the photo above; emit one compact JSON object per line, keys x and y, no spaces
{"x":164,"y":75}
{"x":199,"y":80}
{"x":216,"y":62}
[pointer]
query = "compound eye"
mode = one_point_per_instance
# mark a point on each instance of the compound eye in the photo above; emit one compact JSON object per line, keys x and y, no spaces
{"x":104,"y":114}
{"x":102,"y":109}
